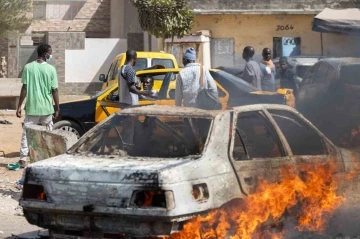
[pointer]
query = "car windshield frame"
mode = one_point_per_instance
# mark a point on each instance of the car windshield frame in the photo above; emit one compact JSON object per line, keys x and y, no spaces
{"x":92,"y":134}
{"x":99,"y":93}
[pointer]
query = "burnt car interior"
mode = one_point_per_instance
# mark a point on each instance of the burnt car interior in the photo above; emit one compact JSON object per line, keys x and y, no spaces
{"x":302,"y":139}
{"x":148,"y":136}
{"x":255,"y":138}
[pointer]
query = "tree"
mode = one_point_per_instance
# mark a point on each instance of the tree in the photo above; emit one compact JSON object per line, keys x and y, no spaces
{"x":14,"y":15}
{"x":164,"y":18}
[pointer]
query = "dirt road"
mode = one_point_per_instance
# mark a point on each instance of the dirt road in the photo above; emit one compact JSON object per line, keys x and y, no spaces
{"x":11,"y":216}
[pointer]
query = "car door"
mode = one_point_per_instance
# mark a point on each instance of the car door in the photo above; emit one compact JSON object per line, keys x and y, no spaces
{"x":256,"y":150}
{"x":306,"y":143}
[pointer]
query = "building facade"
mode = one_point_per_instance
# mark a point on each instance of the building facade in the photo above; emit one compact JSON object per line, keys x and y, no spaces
{"x":235,"y":24}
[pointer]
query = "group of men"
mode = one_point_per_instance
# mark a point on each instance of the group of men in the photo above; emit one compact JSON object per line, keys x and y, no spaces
{"x":262,"y":75}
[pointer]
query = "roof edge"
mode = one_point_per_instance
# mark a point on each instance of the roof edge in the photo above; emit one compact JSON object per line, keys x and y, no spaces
{"x":257,"y":11}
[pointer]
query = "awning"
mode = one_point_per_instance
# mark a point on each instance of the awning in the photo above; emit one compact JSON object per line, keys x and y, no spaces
{"x":346,"y":21}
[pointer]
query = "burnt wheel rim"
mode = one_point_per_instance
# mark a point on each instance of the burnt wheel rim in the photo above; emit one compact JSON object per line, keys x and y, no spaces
{"x":71,"y":129}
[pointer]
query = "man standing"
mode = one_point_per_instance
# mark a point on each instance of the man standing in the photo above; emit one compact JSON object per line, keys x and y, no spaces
{"x":188,"y":81}
{"x":268,"y":71}
{"x":252,"y":73}
{"x":288,"y":79}
{"x":40,"y":87}
{"x":129,"y":86}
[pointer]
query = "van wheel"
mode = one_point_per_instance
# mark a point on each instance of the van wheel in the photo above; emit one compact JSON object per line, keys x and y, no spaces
{"x":70,"y":126}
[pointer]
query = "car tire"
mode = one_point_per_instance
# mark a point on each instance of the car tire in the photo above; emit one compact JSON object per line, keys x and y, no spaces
{"x":70,"y":126}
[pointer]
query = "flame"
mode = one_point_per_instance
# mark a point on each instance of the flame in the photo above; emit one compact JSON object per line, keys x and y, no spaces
{"x":307,"y":193}
{"x":149,"y":195}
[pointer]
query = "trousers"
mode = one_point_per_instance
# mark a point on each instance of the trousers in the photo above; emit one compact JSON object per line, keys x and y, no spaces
{"x":29,"y":120}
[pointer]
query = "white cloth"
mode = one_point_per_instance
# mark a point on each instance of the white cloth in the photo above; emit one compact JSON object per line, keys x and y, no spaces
{"x":29,"y":120}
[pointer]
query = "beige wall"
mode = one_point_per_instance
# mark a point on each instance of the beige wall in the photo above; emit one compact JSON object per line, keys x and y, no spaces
{"x":259,"y":30}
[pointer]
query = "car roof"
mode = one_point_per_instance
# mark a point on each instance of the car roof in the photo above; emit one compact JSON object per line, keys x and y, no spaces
{"x":170,"y":111}
{"x":188,"y":111}
{"x":150,"y":54}
{"x":264,"y":106}
{"x":342,"y":60}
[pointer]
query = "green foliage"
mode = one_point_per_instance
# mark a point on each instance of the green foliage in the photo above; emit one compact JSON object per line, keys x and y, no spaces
{"x":164,"y":18}
{"x":14,"y":15}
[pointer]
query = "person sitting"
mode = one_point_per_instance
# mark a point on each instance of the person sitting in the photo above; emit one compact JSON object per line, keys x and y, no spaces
{"x":148,"y":84}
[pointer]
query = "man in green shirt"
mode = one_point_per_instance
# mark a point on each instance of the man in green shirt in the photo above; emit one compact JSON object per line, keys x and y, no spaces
{"x":40,"y":87}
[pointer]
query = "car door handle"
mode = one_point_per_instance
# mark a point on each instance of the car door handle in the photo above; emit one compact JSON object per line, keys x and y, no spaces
{"x":248,"y":180}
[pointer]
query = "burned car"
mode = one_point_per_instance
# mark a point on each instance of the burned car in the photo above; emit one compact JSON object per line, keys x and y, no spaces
{"x":146,"y":171}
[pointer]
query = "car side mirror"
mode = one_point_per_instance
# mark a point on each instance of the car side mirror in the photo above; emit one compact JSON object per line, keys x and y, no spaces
{"x":172,"y":94}
{"x":102,"y":78}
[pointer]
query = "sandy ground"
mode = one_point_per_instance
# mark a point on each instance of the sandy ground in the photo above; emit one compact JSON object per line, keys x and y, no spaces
{"x":11,"y":216}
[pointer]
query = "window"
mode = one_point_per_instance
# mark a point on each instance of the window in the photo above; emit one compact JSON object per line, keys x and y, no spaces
{"x":167,"y":63}
{"x":141,"y":64}
{"x":221,"y":93}
{"x":321,"y":73}
{"x":147,"y":136}
{"x":303,"y":140}
{"x":350,"y":74}
{"x":308,"y":78}
{"x":331,"y":75}
{"x":111,"y":71}
{"x":115,"y":70}
{"x":255,"y":138}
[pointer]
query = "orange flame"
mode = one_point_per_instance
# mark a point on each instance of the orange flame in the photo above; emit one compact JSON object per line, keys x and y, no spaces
{"x":308,"y":194}
{"x":149,"y":195}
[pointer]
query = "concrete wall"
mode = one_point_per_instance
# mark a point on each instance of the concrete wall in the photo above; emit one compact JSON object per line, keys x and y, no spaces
{"x":91,"y":17}
{"x":271,"y":5}
{"x":45,"y":144}
{"x":85,"y":65}
{"x":259,"y":30}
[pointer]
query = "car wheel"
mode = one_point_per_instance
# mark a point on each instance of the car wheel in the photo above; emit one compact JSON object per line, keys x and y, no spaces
{"x":70,"y":126}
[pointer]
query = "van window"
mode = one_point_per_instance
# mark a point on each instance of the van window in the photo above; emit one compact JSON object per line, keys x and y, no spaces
{"x":350,"y":74}
{"x":141,"y":63}
{"x":167,"y":63}
{"x":321,"y":73}
{"x":309,"y":77}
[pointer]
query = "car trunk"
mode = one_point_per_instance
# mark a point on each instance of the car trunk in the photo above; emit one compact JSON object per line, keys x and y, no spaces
{"x":78,"y":181}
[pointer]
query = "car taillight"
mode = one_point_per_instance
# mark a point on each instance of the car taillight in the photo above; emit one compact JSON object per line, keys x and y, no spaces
{"x":153,"y":198}
{"x":32,"y":191}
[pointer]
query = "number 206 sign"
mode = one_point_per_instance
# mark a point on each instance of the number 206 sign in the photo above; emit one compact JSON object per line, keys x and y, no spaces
{"x":284,"y":28}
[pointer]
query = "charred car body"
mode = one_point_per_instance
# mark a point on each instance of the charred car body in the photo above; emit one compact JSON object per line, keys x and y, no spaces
{"x":146,"y":171}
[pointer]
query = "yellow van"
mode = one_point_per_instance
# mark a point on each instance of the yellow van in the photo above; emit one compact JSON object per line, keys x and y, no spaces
{"x":144,"y":60}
